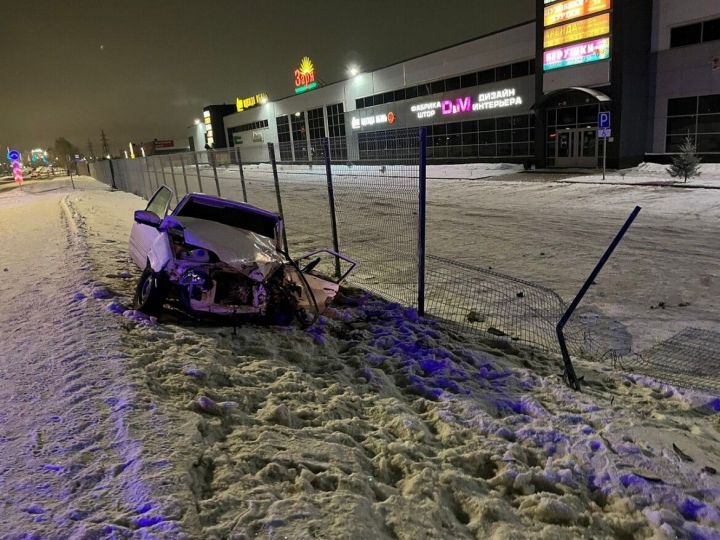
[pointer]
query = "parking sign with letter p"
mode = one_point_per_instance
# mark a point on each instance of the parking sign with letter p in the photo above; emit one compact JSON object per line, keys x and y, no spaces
{"x":604,"y":119}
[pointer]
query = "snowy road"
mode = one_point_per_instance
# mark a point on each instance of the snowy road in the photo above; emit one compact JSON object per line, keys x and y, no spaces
{"x":70,"y":462}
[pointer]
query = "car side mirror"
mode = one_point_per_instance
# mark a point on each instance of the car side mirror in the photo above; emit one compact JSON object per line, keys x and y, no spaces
{"x":147,"y":218}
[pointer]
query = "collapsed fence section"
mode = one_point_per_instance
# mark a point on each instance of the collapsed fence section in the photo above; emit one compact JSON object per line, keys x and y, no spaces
{"x":370,"y":210}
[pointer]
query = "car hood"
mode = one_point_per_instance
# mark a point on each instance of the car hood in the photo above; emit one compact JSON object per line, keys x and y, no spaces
{"x":254,"y":255}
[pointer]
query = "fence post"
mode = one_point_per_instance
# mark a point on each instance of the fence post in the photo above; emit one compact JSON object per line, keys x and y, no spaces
{"x":197,"y":170}
{"x":147,"y":169}
{"x":157,"y":178}
{"x":182,"y":164}
{"x":271,"y":151}
{"x":162,"y":170}
{"x":331,"y":200}
{"x":242,"y":173}
{"x":112,"y":174}
{"x":211,"y":156}
{"x":172,"y":174}
{"x":570,"y":375}
{"x":422,"y":203}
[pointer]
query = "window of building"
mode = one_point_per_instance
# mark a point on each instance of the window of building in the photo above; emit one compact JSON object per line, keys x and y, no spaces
{"x":691,"y":34}
{"x":679,"y":106}
{"x":500,"y":73}
{"x":336,"y":128}
{"x":694,"y":117}
{"x":260,"y":124}
{"x":468,"y":80}
{"x":452,"y":83}
{"x":709,"y":104}
{"x":520,"y":69}
{"x":711,"y":30}
{"x":503,"y":73}
{"x":508,"y":137}
{"x":316,"y":123}
{"x":485,"y":77}
{"x":688,"y":34}
{"x":299,"y":136}
{"x":283,"y":129}
{"x":437,"y":87}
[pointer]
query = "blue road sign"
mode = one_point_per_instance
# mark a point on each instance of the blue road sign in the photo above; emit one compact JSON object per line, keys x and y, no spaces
{"x":604,"y":119}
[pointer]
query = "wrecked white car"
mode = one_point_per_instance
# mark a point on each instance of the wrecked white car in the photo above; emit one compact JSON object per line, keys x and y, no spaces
{"x":221,"y":257}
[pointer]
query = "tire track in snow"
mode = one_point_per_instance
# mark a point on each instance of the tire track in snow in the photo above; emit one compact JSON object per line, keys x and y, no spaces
{"x":70,"y":463}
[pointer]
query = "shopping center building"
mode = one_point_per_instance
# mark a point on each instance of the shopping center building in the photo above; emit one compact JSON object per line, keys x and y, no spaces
{"x":629,"y":78}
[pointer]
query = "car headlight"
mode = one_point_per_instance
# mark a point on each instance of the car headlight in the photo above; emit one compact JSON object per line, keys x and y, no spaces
{"x":193,"y":254}
{"x":196,"y":278}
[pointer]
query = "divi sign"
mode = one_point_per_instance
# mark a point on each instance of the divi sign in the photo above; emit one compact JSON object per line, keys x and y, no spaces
{"x":507,"y":97}
{"x":457,"y":105}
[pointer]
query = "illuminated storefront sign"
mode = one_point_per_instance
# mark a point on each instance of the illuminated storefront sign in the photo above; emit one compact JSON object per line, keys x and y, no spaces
{"x":580,"y":53}
{"x":426,"y":110}
{"x":305,"y":76}
{"x":206,"y":118}
{"x":247,"y":103}
{"x":578,"y":30}
{"x":16,"y":162}
{"x":497,"y":99}
{"x":573,"y":9}
{"x":381,"y":118}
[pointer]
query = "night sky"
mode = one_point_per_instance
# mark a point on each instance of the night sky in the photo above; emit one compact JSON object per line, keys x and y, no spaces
{"x":144,"y":69}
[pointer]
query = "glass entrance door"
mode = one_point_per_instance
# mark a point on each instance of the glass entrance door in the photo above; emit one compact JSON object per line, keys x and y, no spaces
{"x":576,"y":148}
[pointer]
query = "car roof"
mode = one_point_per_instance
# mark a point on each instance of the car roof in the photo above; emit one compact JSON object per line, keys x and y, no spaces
{"x":212,"y":200}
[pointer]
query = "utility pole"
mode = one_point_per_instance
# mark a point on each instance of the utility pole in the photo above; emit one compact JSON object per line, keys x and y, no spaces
{"x":91,"y":152}
{"x":105,"y":144}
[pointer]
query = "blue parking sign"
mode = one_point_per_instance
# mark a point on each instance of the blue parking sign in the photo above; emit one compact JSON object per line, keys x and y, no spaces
{"x":604,"y":119}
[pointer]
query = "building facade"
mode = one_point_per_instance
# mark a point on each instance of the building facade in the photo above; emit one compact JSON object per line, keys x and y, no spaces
{"x":628,"y":79}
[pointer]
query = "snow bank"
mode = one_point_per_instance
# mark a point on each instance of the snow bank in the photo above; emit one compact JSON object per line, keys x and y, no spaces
{"x":376,"y":423}
{"x":654,"y":174}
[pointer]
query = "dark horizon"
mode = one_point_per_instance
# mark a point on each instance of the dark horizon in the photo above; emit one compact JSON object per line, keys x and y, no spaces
{"x":146,"y":72}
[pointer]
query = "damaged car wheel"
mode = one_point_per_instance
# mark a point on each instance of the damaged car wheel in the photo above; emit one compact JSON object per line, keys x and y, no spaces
{"x":151,"y":293}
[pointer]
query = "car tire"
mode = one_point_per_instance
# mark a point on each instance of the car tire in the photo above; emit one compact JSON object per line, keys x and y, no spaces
{"x":151,"y":292}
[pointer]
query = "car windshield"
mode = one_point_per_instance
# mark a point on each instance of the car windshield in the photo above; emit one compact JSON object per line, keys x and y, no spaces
{"x":228,"y":214}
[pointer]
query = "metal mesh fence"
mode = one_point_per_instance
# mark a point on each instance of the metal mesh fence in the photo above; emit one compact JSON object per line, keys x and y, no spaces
{"x":689,"y":359}
{"x":501,"y":306}
{"x":377,"y":217}
{"x":376,"y":195}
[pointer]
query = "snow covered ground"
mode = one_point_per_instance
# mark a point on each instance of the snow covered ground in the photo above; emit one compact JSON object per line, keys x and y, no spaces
{"x":654,"y":173}
{"x":374,"y":423}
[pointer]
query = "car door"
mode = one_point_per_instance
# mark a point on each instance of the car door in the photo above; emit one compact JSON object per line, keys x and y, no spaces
{"x":142,"y":236}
